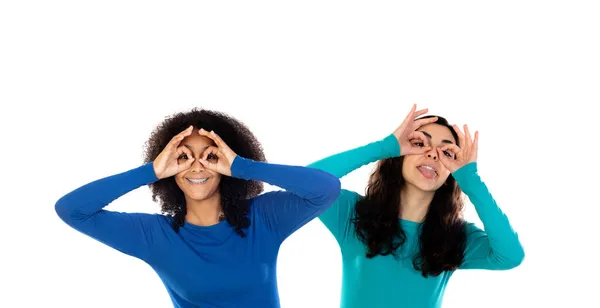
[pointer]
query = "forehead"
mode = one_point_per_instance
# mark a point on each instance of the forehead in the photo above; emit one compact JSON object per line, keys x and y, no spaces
{"x":438,"y":132}
{"x":196,"y":141}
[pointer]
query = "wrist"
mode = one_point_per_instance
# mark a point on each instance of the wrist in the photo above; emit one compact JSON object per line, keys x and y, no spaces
{"x":465,"y":169}
{"x":391,"y":146}
{"x":154,"y":170}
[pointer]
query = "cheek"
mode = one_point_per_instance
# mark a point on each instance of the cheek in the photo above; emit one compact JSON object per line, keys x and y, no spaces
{"x":443,"y":176}
{"x":216,"y":178}
{"x":407,"y":168}
{"x":408,"y":162}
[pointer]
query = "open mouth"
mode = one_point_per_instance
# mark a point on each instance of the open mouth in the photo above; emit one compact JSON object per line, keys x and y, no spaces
{"x":428,"y":172}
{"x":197,"y":181}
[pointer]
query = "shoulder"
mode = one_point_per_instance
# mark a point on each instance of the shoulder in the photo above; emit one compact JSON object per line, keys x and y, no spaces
{"x":152,"y":220}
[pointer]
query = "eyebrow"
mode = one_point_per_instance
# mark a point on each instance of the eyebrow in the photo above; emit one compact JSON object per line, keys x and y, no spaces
{"x":443,"y":140}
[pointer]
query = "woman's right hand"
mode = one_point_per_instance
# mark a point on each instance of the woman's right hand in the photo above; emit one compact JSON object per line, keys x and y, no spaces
{"x":407,"y":134}
{"x":167,"y":163}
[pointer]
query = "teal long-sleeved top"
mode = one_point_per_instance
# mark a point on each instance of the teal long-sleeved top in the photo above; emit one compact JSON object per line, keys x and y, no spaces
{"x":385,"y":281}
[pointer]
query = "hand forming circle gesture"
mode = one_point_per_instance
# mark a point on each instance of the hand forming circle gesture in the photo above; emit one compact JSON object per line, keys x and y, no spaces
{"x":466,"y":153}
{"x":167,"y":163}
{"x":223,"y":154}
{"x":407,"y":133}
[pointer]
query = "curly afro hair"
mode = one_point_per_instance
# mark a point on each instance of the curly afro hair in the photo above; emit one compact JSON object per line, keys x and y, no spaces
{"x":234,"y":192}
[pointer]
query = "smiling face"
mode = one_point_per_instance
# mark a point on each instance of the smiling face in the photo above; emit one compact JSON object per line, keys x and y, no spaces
{"x":425,"y":171}
{"x":197,"y":182}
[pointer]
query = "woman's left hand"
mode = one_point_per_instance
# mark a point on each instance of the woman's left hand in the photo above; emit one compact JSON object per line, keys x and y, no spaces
{"x":466,"y":153}
{"x":217,"y":158}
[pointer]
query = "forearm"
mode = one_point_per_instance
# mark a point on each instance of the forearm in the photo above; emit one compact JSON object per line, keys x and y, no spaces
{"x":505,"y":249}
{"x":130,"y":233}
{"x":345,"y":162}
{"x":315,"y":186}
{"x":89,"y":199}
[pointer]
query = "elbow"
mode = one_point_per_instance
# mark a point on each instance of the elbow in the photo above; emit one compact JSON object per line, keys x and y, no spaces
{"x":331,"y":189}
{"x":518,"y":257}
{"x":64,"y":211}
{"x":514,"y":260}
{"x":334,"y":190}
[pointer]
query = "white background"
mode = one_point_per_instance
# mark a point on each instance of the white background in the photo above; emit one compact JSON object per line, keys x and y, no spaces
{"x":83,"y":83}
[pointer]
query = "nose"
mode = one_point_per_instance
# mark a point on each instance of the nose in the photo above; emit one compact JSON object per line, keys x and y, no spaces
{"x":432,"y":154}
{"x":197,"y":167}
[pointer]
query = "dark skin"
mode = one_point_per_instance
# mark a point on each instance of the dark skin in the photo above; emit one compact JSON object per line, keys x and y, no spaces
{"x":197,"y":159}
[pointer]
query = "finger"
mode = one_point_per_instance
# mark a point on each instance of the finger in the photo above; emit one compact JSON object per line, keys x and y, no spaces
{"x":175,"y":141}
{"x":454,"y":150}
{"x":208,"y":165}
{"x":410,"y":116}
{"x":211,"y":150}
{"x":184,"y":150}
{"x":213,"y":136}
{"x":445,"y":160}
{"x":179,"y":137}
{"x":467,"y":135}
{"x":421,"y":122}
{"x":451,"y":148}
{"x":220,"y":143}
{"x":417,"y":135}
{"x":185,"y":133}
{"x":461,"y":136}
{"x":419,"y":113}
{"x":190,"y":158}
{"x":476,"y":142}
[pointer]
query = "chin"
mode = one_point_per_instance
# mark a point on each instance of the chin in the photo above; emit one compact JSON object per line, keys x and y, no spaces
{"x":428,"y":187}
{"x":198,"y":196}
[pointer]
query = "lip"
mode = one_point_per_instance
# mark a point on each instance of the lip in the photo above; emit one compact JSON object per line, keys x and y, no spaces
{"x":432,"y":166}
{"x":190,"y":180}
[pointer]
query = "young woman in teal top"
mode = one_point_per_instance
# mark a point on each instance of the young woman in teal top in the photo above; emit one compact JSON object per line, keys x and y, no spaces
{"x":402,"y":241}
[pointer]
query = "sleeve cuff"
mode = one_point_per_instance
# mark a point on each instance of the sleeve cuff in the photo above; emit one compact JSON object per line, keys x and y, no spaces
{"x":240,"y":167}
{"x":466,"y":174}
{"x":391,"y":147}
{"x":147,"y":174}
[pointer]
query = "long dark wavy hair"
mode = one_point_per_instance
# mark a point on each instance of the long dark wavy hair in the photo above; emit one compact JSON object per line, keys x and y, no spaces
{"x":443,"y":234}
{"x":234,"y":192}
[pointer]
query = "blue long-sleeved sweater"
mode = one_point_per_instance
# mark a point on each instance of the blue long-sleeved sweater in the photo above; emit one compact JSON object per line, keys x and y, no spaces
{"x":206,"y":266}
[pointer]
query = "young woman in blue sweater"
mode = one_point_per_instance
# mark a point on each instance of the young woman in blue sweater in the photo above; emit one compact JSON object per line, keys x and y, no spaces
{"x":216,"y":242}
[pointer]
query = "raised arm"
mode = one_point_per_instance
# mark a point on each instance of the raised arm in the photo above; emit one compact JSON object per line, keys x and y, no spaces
{"x":400,"y":142}
{"x":308,"y":192}
{"x":82,"y":209}
{"x":496,"y":247}
{"x":337,"y":217}
{"x":130,"y":233}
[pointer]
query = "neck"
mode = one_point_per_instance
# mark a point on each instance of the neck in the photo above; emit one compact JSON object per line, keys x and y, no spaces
{"x":414,"y":203}
{"x":204,"y":212}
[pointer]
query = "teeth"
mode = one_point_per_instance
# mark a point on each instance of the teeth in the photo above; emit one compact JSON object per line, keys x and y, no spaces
{"x":198,"y":181}
{"x":429,"y":168}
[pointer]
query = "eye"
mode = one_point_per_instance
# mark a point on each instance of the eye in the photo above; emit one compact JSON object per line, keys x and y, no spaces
{"x":182,"y":156}
{"x":448,"y":154}
{"x":212,"y":156}
{"x":418,"y":143}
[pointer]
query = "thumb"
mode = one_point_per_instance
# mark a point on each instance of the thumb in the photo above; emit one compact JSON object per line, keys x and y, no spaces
{"x":188,"y":163}
{"x":208,"y":165}
{"x":444,"y":159}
